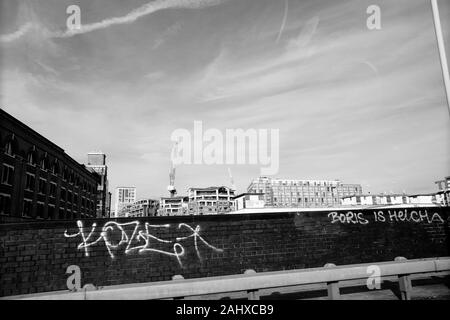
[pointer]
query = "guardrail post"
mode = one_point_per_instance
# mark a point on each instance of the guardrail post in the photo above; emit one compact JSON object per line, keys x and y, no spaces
{"x":178,"y":277}
{"x":333,"y":287}
{"x":404,"y":283}
{"x":252,"y":294}
{"x":88,"y":287}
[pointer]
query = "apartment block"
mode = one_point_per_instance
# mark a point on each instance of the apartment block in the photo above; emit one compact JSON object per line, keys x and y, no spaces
{"x":302,"y":193}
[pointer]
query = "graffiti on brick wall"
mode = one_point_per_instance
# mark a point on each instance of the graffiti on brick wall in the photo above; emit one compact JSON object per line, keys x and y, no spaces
{"x":401,"y":215}
{"x":139,"y":240}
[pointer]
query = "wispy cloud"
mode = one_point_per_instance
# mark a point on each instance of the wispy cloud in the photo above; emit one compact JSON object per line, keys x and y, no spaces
{"x":226,"y":78}
{"x":283,"y":23}
{"x":140,"y":12}
{"x":144,"y":10}
{"x":170,"y":31}
{"x":350,"y":103}
{"x":154,"y":76}
{"x":24,"y":29}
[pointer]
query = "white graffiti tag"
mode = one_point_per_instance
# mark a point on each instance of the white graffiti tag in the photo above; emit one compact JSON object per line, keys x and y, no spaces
{"x":138,"y":241}
{"x":196,"y":234}
{"x":403,"y":215}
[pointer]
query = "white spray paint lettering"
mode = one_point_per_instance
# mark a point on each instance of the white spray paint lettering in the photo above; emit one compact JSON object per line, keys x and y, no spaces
{"x":139,"y":240}
{"x":349,"y":217}
{"x":403,"y":215}
{"x":416,"y":216}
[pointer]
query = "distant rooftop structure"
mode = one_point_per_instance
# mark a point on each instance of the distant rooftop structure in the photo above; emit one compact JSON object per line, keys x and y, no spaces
{"x":96,"y":159}
{"x":436,"y":198}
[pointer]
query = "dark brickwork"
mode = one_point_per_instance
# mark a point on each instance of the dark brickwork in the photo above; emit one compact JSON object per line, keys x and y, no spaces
{"x":34,"y":256}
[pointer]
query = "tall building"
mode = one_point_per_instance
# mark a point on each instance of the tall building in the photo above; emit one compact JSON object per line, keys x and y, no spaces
{"x":210,"y":200}
{"x":97,"y":163}
{"x":124,"y":196}
{"x":39,"y":181}
{"x":302,"y":193}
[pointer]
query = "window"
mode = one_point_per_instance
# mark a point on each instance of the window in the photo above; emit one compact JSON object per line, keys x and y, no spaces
{"x":7,"y":174}
{"x":55,"y":170}
{"x":69,"y":196}
{"x":40,"y":210}
{"x":42,"y":186}
{"x":8,"y":148}
{"x":44,"y":165}
{"x":27,"y":207}
{"x":52,"y":189}
{"x":31,"y":158}
{"x":30,"y":181}
{"x":51,"y":211}
{"x":62,"y":214}
{"x":5,"y":204}
{"x":63,"y":194}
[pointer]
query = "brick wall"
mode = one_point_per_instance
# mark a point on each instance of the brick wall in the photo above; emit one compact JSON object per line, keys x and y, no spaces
{"x":34,"y":256}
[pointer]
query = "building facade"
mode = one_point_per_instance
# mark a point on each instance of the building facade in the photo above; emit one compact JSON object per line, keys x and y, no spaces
{"x":97,"y":163}
{"x":173,"y":206}
{"x":373,"y":200}
{"x":124,"y":196}
{"x":302,"y":193}
{"x":39,"y":181}
{"x":143,"y":208}
{"x":249,"y":201}
{"x":437,"y":198}
{"x":210,"y":200}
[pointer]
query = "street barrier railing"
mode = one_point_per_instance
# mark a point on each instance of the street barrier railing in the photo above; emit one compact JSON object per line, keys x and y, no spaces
{"x":252,"y":282}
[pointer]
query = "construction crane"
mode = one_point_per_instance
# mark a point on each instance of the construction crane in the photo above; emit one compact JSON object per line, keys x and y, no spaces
{"x":171,"y":187}
{"x":233,"y":187}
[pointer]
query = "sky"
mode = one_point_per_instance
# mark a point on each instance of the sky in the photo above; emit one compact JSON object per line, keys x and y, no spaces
{"x":362,"y":106}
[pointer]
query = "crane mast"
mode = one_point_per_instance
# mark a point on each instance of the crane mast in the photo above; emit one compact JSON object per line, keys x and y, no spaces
{"x":233,"y":187}
{"x":171,"y":187}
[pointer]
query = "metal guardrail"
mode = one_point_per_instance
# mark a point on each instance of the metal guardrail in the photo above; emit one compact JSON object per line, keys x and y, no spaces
{"x":251,"y":282}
